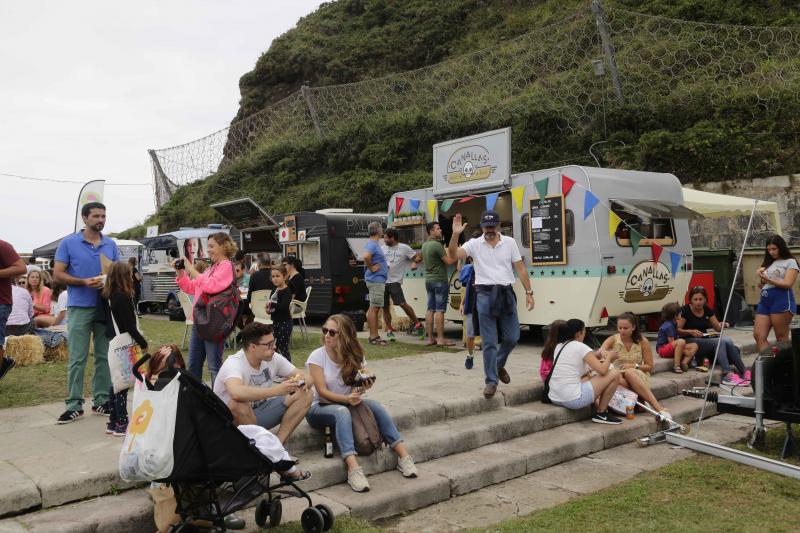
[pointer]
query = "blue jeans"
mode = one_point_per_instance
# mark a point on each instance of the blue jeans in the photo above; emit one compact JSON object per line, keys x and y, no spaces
{"x":438,"y":291}
{"x":508,"y":326}
{"x":338,"y":416}
{"x":5,"y":310}
{"x":199,"y":351}
{"x":728,"y":353}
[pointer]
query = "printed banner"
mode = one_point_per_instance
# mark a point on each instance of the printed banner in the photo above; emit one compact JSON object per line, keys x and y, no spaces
{"x":91,"y":192}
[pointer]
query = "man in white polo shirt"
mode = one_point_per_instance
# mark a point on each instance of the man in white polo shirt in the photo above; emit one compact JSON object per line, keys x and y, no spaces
{"x":494,"y":257}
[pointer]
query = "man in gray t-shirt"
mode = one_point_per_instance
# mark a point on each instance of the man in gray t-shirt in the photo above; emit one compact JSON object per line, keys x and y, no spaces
{"x":399,"y":256}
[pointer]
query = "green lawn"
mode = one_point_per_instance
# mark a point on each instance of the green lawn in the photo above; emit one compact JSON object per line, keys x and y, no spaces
{"x":47,"y":382}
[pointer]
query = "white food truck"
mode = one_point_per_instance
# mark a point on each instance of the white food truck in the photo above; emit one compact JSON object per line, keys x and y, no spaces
{"x":579,"y":267}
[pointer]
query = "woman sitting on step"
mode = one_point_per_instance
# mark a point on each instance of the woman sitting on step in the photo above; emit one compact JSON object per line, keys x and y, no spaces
{"x":635,"y":360}
{"x":333,"y":368}
{"x":572,"y":384}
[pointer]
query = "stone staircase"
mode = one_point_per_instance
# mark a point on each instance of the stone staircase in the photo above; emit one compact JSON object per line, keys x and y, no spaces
{"x":460,"y":442}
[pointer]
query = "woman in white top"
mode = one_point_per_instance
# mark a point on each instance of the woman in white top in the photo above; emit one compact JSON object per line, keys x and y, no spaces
{"x":572,"y":384}
{"x":333,"y":368}
{"x":776,"y":276}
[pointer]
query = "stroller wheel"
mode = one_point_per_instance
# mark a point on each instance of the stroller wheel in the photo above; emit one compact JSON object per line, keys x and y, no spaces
{"x":327,"y":515}
{"x":262,"y":513}
{"x":312,"y":520}
{"x":275,"y":513}
{"x":269,"y":510}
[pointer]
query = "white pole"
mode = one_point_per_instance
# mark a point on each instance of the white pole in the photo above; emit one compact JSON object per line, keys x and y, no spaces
{"x":725,"y":317}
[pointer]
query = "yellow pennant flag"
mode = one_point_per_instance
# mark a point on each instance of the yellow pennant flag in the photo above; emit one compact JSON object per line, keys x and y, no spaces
{"x":431,"y":210}
{"x":613,"y":222}
{"x":517,"y":193}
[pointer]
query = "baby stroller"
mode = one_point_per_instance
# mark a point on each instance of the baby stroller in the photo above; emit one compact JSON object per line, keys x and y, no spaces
{"x":217,"y":469}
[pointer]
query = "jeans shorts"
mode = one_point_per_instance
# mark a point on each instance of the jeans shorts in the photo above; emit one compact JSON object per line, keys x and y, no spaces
{"x":395,"y":290}
{"x":270,"y":412}
{"x":586,"y":397}
{"x":5,"y":310}
{"x":376,"y":293}
{"x":438,"y":291}
{"x":775,"y":301}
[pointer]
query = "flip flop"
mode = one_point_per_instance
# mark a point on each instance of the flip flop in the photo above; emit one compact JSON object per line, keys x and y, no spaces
{"x":677,"y":370}
{"x":446,"y":343}
{"x":430,"y":344}
{"x":377,"y":341}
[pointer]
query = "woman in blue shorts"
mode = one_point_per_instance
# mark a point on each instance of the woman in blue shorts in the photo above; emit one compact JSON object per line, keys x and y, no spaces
{"x":777,"y":275}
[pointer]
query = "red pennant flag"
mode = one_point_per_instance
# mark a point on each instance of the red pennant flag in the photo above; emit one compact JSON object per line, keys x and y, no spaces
{"x":566,"y":185}
{"x":656,"y":249}
{"x":467,"y":199}
{"x":398,"y":204}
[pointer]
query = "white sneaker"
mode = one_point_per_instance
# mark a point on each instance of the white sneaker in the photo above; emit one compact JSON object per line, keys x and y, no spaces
{"x":357,"y":480}
{"x":406,"y":466}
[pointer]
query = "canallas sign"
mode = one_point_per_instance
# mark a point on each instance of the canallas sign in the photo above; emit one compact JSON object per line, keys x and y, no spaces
{"x":472,"y":164}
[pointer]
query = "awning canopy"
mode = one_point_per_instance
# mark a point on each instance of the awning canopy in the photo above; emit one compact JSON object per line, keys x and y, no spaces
{"x":357,"y":245}
{"x":656,"y":208}
{"x":722,"y":205}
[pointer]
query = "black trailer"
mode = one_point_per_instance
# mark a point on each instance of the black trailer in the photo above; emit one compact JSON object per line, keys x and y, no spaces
{"x":329,"y":242}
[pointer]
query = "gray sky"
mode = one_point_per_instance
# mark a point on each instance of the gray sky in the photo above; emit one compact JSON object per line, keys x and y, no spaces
{"x":86,"y":87}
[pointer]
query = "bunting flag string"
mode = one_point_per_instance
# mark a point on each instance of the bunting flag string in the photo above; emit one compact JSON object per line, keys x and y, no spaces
{"x":391,"y":217}
{"x":566,"y":185}
{"x":589,"y":202}
{"x":636,"y":238}
{"x":675,"y":263}
{"x":467,"y":199}
{"x":445,"y":205}
{"x":398,"y":204}
{"x":613,"y":223}
{"x":414,"y":204}
{"x":432,"y":210}
{"x":541,"y":187}
{"x":517,"y":193}
{"x":656,"y":250}
{"x":491,"y":199}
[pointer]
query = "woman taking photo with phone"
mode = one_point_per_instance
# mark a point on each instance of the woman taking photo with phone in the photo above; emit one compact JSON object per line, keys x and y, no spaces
{"x":776,"y":278}
{"x":217,"y":278}
{"x":333,"y":368}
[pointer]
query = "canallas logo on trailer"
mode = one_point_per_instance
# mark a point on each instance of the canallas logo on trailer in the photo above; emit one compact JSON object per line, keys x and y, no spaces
{"x":470,"y":163}
{"x":647,"y":281}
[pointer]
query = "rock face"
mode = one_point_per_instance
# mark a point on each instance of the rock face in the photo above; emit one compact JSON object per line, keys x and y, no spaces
{"x":729,"y":232}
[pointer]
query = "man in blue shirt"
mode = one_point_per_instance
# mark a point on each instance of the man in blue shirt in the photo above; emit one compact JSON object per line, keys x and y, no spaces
{"x":79,"y":265}
{"x":376,"y":270}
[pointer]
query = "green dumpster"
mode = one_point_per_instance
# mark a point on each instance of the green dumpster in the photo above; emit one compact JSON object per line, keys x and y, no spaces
{"x":721,"y":262}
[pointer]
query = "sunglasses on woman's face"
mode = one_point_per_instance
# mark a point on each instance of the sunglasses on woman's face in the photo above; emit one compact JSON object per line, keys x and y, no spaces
{"x":330,"y":332}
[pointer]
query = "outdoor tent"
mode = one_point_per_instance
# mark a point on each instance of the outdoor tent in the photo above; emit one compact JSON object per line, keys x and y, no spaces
{"x":714,"y":205}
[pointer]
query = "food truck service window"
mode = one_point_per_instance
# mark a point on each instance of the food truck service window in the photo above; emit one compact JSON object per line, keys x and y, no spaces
{"x":569,"y":218}
{"x":653,"y":228}
{"x":310,"y":254}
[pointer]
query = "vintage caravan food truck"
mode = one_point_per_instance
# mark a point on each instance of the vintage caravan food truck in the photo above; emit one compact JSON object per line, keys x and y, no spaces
{"x":329,"y":242}
{"x":580,"y":259}
{"x":159,"y":290}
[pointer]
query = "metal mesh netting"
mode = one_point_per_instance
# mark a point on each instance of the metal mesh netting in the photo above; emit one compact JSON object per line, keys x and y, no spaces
{"x":562,"y":69}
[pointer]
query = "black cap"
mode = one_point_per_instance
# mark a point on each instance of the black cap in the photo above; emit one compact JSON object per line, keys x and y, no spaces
{"x":490,"y":218}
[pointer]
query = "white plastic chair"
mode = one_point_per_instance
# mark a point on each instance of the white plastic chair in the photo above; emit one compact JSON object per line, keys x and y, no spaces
{"x":258,"y":305}
{"x":298,"y":310}
{"x":186,"y":305}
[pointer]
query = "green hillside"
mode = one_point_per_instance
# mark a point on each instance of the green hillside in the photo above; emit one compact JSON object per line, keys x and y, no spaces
{"x":705,"y":102}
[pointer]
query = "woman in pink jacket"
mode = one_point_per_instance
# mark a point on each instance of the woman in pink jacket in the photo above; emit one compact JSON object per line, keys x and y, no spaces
{"x":221,"y":249}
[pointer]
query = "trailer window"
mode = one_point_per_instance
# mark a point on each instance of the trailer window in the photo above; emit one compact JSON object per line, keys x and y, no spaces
{"x":569,"y":220}
{"x":310,"y":254}
{"x":656,"y":230}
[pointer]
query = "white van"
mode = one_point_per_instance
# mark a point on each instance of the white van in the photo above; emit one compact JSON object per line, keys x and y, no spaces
{"x":586,"y":274}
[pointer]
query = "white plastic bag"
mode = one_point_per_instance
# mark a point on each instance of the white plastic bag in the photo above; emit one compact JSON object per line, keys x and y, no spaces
{"x":123,"y":353}
{"x":622,"y":399}
{"x":147,"y":451}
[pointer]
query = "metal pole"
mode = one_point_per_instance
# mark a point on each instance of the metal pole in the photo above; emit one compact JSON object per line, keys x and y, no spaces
{"x":306,"y":92}
{"x":608,"y":48}
{"x":725,"y":316}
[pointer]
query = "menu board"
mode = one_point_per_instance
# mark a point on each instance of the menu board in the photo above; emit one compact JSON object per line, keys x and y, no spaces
{"x":548,"y":231}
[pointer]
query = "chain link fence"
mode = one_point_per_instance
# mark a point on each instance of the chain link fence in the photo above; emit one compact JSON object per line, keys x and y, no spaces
{"x":575,"y":69}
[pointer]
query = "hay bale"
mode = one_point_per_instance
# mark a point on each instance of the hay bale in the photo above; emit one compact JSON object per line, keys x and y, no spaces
{"x":402,"y":324}
{"x":27,"y":350}
{"x":57,"y":353}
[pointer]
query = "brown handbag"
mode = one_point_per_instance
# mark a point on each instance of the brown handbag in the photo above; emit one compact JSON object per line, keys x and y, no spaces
{"x":366,"y":435}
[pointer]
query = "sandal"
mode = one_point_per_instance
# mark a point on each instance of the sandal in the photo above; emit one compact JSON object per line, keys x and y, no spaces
{"x":702,"y":368}
{"x":377,"y":341}
{"x":685,"y":367}
{"x":677,"y":370}
{"x":446,"y":343}
{"x":302,"y":475}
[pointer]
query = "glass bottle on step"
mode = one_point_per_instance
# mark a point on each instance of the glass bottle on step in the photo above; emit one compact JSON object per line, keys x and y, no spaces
{"x":328,"y":443}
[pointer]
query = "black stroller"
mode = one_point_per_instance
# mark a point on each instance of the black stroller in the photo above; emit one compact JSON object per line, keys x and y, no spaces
{"x":217,"y":469}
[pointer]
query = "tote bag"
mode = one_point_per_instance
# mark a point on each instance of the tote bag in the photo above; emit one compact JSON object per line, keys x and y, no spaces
{"x":123,"y":353}
{"x":146,"y":454}
{"x":215,"y":314}
{"x":622,"y":399}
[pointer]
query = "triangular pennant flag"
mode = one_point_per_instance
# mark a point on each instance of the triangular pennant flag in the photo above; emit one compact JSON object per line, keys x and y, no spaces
{"x":391,"y":217}
{"x":613,"y":223}
{"x":414,"y":205}
{"x":589,"y":201}
{"x":517,"y":194}
{"x":636,"y":237}
{"x":431,"y":210}
{"x":675,"y":260}
{"x":491,"y":199}
{"x":566,"y":184}
{"x":467,"y":199}
{"x":398,"y":204}
{"x":446,"y":205}
{"x":656,"y":250}
{"x":541,"y":187}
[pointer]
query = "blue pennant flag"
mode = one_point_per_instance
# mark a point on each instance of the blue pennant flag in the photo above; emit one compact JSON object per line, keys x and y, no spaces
{"x":589,"y":202}
{"x":414,"y":204}
{"x":491,"y":199}
{"x":675,"y":261}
